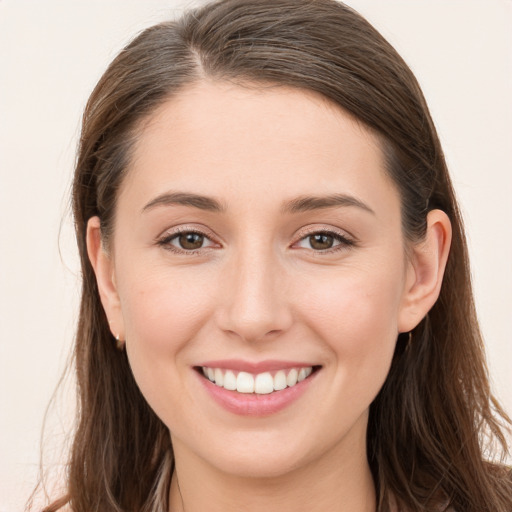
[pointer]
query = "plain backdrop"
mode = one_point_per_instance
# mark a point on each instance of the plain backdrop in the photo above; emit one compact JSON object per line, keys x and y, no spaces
{"x":52,"y":53}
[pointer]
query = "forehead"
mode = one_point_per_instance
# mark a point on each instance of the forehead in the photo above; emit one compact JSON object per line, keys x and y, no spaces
{"x":267,"y":143}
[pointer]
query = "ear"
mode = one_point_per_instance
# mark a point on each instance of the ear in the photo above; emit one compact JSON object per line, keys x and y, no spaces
{"x":425,"y":271}
{"x":103,"y":266}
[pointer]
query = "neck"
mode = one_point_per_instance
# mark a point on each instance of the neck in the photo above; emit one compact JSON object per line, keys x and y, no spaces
{"x":339,"y":480}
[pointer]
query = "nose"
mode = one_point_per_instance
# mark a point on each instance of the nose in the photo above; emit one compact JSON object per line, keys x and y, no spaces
{"x":255,"y":299}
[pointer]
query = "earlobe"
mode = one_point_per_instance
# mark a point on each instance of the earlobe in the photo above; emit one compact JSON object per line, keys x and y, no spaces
{"x":103,"y":267}
{"x":426,"y":270}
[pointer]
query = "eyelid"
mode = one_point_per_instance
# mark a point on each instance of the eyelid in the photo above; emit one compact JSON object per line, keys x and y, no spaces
{"x":323,"y":228}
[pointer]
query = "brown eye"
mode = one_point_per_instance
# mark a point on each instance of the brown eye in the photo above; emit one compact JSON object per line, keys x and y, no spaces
{"x":321,"y":241}
{"x":325,"y":241}
{"x":190,"y":241}
{"x":186,"y":242}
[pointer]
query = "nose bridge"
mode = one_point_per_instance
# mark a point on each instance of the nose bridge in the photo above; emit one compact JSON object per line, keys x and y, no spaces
{"x":255,"y":304}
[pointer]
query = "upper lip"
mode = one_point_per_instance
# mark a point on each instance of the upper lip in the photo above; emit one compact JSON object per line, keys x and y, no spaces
{"x":268,"y":365}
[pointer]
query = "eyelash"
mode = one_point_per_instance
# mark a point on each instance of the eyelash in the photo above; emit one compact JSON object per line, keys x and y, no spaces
{"x":165,"y":241}
{"x":344,"y":242}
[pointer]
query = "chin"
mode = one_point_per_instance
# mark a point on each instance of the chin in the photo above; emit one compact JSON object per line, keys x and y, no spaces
{"x":260,"y":465}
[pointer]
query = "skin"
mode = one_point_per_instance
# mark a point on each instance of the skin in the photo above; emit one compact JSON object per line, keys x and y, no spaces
{"x":258,"y":289}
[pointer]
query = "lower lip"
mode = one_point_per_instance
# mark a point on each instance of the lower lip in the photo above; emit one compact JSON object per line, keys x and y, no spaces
{"x":252,"y":404}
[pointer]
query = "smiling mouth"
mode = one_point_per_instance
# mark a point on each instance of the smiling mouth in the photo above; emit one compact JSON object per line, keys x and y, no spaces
{"x":259,"y":384}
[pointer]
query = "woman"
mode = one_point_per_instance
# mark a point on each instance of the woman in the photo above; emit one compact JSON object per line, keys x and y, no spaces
{"x":276,"y":309}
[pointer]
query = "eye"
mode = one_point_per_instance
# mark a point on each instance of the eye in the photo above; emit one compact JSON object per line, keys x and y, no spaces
{"x":189,"y":241}
{"x":324,"y":241}
{"x":186,"y":241}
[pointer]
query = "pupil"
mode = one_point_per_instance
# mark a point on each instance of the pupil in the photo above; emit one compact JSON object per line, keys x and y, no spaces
{"x":321,"y":241}
{"x":191,"y":240}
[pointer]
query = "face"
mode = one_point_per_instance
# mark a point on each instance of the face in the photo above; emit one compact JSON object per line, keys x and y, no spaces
{"x":258,"y":238}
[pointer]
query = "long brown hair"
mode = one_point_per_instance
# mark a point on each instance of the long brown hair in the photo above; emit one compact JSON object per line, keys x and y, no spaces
{"x":435,"y":415}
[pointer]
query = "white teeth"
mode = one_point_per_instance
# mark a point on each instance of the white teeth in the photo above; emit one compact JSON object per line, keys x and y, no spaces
{"x":291,"y":379}
{"x":261,"y":384}
{"x":245,"y":383}
{"x":279,"y":380}
{"x":229,"y":381}
{"x":219,"y":377}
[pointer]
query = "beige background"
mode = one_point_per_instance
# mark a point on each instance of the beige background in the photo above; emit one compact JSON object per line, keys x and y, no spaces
{"x":52,"y":53}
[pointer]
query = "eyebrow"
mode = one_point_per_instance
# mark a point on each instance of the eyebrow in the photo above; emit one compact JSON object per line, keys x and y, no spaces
{"x":307,"y":203}
{"x":186,"y":199}
{"x":296,"y":205}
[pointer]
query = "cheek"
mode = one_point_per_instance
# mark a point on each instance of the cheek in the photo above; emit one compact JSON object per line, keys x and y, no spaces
{"x":361,"y":300}
{"x":163,"y":313}
{"x":355,"y":313}
{"x":163,"y":308}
